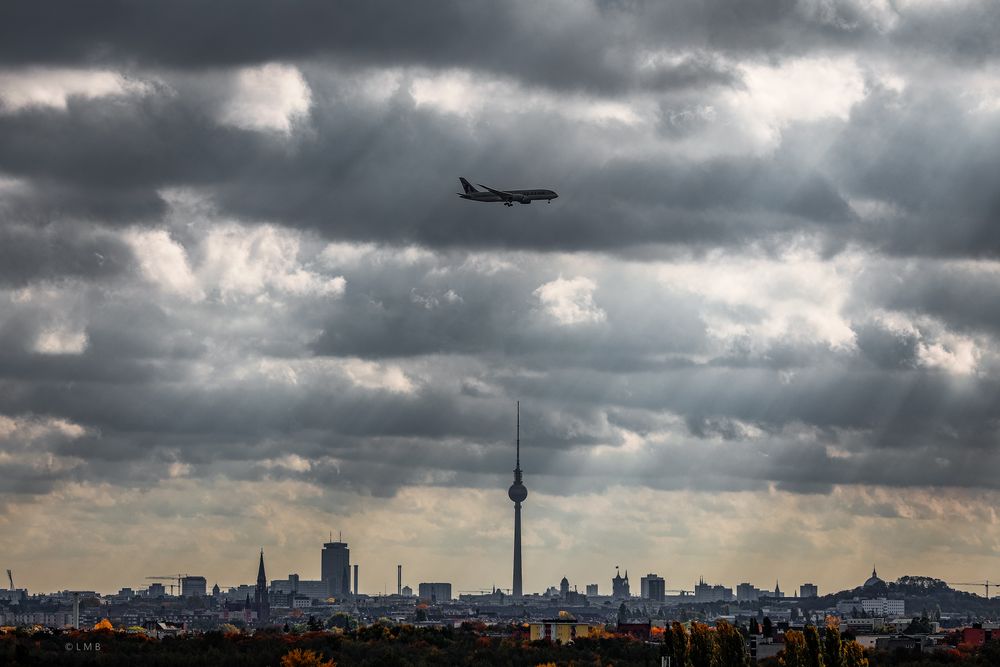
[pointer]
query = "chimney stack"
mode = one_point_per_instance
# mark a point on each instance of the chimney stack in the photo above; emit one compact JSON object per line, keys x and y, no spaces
{"x":399,"y":580}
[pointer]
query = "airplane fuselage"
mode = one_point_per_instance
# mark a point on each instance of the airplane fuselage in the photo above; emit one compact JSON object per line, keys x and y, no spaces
{"x":507,"y":197}
{"x":520,"y":196}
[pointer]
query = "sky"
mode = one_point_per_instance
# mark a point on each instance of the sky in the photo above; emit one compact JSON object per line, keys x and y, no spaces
{"x":756,"y":338}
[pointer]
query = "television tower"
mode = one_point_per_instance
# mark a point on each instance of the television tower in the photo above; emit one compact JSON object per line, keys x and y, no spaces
{"x":517,"y":493}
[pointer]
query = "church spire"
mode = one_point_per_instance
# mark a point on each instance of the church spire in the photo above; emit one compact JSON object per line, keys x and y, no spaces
{"x":261,"y":600}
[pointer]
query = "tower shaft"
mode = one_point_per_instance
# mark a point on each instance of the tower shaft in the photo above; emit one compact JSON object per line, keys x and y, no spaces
{"x":517,"y":588}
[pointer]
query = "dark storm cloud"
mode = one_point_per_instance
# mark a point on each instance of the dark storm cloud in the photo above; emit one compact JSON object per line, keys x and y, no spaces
{"x":567,"y":46}
{"x":384,"y":172}
{"x":334,"y":177}
{"x":560,"y":45}
{"x":468,"y":313}
{"x":29,"y":253}
{"x":931,"y":158}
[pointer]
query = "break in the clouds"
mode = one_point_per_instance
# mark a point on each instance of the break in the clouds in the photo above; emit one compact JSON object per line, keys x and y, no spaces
{"x":240,"y":302}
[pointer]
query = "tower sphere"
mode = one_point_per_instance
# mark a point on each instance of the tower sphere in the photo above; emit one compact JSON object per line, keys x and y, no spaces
{"x":517,"y":492}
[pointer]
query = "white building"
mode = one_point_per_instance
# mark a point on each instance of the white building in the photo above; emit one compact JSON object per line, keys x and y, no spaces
{"x":880,"y":607}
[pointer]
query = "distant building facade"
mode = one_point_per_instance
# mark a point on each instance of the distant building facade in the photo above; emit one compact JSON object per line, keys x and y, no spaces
{"x":564,"y":629}
{"x":747,"y":592}
{"x":708,"y":593}
{"x":619,"y":587}
{"x":194,"y":587}
{"x":808,"y":591}
{"x":592,"y":590}
{"x":653,"y":587}
{"x":435,"y":592}
{"x":880,"y":607}
{"x":335,"y":569}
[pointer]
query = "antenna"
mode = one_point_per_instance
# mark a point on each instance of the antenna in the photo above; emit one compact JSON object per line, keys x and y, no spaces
{"x":340,"y":536}
{"x":519,"y":435}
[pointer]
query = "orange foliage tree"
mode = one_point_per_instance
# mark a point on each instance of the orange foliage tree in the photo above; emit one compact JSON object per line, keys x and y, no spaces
{"x":298,"y":657}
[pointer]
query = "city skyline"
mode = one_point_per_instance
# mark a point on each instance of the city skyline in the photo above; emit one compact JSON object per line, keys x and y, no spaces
{"x":757,"y":335}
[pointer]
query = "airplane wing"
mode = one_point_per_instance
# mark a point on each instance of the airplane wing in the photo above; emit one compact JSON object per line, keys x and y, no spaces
{"x":506,"y":196}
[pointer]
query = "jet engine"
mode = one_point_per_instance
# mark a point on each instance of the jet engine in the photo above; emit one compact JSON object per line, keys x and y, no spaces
{"x":523,"y":199}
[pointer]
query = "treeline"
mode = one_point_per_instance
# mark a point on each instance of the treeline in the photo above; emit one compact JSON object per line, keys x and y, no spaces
{"x":372,"y":645}
{"x":407,"y":645}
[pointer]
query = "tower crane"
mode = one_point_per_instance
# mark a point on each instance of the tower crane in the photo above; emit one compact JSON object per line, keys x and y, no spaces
{"x":171,"y":578}
{"x":986,"y":584}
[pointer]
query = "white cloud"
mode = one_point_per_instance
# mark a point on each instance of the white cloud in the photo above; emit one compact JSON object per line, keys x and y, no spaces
{"x":164,"y":262}
{"x":269,"y":97}
{"x":61,"y":340}
{"x":798,"y":295}
{"x":249,"y":261}
{"x":371,"y":375}
{"x":570,"y":301}
{"x":807,"y":89}
{"x":49,"y":87}
{"x":466,"y":93}
{"x":955,"y":354}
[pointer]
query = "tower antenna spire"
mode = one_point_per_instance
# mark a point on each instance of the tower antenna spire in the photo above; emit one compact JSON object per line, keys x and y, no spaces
{"x":517,"y":493}
{"x":519,"y":435}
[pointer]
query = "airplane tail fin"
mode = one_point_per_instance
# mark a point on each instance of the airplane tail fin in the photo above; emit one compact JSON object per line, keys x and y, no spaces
{"x":467,"y":186}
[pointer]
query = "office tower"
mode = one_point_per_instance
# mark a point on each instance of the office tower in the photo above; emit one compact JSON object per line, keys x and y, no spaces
{"x":193,"y":586}
{"x":435,"y":591}
{"x":335,"y":569}
{"x":653,"y":587}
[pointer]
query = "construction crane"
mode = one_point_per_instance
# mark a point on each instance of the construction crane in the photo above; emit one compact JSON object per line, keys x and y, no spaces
{"x":171,"y":578}
{"x":986,"y":584}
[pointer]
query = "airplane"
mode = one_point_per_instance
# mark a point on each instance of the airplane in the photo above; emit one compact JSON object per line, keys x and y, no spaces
{"x":508,"y":197}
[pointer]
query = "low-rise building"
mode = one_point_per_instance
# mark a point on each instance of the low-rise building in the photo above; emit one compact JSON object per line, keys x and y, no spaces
{"x":872,"y":607}
{"x":563,"y":629}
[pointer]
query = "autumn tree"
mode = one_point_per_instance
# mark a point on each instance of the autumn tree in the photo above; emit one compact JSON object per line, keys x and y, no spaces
{"x":854,"y":655}
{"x":677,"y":645}
{"x":703,"y":647}
{"x":794,"y":653}
{"x":832,"y":648}
{"x":298,"y":657}
{"x":731,"y":649}
{"x":814,"y":654}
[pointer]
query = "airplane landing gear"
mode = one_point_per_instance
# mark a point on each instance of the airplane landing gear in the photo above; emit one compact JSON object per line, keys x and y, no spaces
{"x":507,"y":203}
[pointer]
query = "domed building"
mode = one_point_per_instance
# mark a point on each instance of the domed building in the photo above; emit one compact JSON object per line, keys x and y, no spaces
{"x":873,"y":580}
